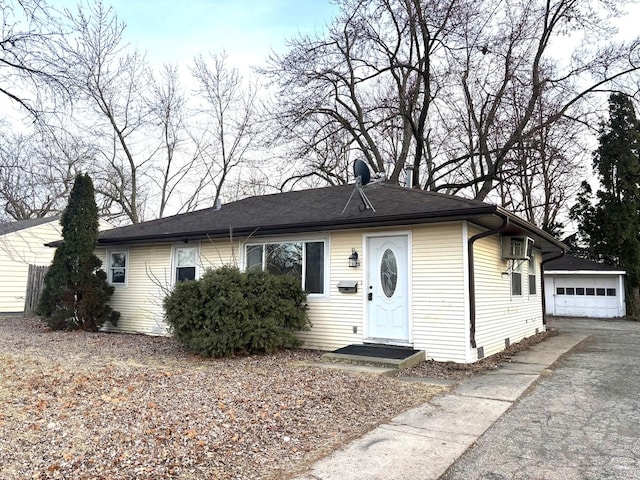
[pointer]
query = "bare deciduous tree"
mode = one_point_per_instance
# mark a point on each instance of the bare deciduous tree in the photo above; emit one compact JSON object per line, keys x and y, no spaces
{"x":227,"y":119}
{"x":167,"y":109}
{"x":452,"y":89}
{"x":36,"y":174}
{"x":31,"y":67}
{"x":112,"y":81}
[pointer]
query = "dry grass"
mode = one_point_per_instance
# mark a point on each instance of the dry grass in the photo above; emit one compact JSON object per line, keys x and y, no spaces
{"x":113,"y":406}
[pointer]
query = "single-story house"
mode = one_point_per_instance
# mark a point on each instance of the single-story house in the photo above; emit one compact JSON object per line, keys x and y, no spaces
{"x":575,"y":287}
{"x":382,"y":264}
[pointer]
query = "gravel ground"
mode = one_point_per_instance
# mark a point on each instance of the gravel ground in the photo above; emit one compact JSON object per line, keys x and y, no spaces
{"x":114,"y":406}
{"x":459,"y":371}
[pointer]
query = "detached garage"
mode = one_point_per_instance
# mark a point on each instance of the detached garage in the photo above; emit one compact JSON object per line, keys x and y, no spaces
{"x":574,"y":287}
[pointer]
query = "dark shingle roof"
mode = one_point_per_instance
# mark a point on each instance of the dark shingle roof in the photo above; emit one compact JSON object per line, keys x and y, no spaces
{"x":24,"y":224}
{"x":317,"y":209}
{"x":571,"y":263}
{"x":305,"y":210}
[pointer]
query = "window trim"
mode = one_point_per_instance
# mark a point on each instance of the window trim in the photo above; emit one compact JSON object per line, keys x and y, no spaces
{"x":531,"y":272}
{"x":517,"y":270}
{"x":109,"y":268}
{"x":293,"y":239}
{"x":174,"y":260}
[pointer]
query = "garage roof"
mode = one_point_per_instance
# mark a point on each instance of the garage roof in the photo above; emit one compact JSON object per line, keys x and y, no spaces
{"x":569,"y":263}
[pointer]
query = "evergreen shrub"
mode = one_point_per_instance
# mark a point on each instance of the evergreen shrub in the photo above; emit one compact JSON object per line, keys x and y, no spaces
{"x":76,"y":292}
{"x":228,"y":312}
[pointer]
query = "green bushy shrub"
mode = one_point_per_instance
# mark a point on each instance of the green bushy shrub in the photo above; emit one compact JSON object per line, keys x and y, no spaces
{"x":228,"y":311}
{"x":76,"y":293}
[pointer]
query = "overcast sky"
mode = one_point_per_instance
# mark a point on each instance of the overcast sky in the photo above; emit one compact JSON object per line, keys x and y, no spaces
{"x":174,"y":31}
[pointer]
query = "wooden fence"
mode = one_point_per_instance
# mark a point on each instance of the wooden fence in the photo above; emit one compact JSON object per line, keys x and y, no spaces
{"x":35,"y":285}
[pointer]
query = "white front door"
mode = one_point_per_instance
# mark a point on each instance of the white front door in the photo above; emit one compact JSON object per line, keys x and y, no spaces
{"x":387,"y":289}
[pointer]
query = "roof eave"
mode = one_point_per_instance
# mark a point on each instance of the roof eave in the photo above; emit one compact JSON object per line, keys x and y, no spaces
{"x":348,"y":223}
{"x":513,"y":219}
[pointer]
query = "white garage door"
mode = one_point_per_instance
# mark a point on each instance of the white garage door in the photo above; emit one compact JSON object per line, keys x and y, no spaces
{"x":576,"y":296}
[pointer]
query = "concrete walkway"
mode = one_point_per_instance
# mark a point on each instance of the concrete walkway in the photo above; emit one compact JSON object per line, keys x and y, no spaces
{"x":424,"y":442}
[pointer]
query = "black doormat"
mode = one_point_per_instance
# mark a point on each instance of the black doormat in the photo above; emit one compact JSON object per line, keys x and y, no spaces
{"x":377,"y":351}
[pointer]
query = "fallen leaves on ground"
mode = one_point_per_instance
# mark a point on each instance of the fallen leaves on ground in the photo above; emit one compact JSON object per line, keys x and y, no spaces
{"x":114,"y":406}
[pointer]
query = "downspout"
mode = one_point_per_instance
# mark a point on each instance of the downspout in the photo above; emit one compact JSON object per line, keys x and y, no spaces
{"x":472,"y":280}
{"x":544,"y":306}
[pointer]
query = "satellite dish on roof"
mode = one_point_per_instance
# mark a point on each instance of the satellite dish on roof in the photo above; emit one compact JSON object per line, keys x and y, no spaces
{"x":361,"y":171}
{"x":363,"y":176}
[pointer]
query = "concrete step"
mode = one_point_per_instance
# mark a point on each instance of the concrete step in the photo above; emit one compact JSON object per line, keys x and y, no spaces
{"x":376,"y":361}
{"x":353,"y":367}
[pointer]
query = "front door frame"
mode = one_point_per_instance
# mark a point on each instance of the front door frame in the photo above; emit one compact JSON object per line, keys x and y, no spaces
{"x":367,"y":272}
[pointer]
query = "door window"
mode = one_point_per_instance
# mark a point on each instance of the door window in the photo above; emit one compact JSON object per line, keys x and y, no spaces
{"x":389,"y":273}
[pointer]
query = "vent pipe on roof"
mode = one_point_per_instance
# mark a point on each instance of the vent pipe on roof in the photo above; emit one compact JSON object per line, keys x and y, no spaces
{"x":218,"y":203}
{"x":409,"y":172}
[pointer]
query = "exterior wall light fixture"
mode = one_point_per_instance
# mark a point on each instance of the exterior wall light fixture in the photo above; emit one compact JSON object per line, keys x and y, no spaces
{"x":353,"y":259}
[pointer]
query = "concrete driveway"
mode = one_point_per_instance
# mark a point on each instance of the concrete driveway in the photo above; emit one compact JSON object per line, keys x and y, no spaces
{"x":582,"y":421}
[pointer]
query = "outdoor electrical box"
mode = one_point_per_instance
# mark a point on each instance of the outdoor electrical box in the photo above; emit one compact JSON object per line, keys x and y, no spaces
{"x":348,"y":286}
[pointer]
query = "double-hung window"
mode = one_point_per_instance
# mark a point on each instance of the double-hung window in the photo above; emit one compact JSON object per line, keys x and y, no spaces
{"x":118,"y":263}
{"x":185,"y":263}
{"x":532,"y":275}
{"x":516,"y":278}
{"x":304,"y":260}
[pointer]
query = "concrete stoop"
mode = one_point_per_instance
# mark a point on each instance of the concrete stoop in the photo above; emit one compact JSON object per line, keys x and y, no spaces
{"x":393,"y":363}
{"x":352,"y":367}
{"x":378,"y":364}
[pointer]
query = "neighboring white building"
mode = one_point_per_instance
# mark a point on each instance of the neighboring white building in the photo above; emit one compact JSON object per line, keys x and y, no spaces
{"x":575,"y":287}
{"x":22,"y":244}
{"x":457,"y":278}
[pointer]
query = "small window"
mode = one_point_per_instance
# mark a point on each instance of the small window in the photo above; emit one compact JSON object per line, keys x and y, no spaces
{"x":532,"y":274}
{"x":314,"y":267}
{"x":186,"y":259}
{"x":254,"y":256}
{"x":591,"y":291}
{"x":600,"y":292}
{"x":579,"y":291}
{"x":516,"y":281}
{"x":559,"y":291}
{"x":571,"y":291}
{"x":118,"y":263}
{"x":611,"y":292}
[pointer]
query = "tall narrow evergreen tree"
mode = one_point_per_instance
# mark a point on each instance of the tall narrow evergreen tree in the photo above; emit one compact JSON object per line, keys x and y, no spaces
{"x":76,"y":290}
{"x":612,"y":225}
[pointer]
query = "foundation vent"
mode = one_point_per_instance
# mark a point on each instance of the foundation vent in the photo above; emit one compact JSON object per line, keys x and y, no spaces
{"x":480,"y":351}
{"x":507,"y":342}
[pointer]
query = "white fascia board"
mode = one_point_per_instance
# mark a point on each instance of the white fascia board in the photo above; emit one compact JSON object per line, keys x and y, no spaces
{"x":585,"y":272}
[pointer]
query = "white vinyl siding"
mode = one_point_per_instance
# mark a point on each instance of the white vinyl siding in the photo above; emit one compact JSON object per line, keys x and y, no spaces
{"x":437,"y":309}
{"x":499,"y":314}
{"x":439,"y":291}
{"x":150,"y":277}
{"x":18,"y":250}
{"x":335,"y":315}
